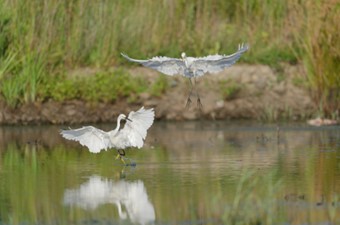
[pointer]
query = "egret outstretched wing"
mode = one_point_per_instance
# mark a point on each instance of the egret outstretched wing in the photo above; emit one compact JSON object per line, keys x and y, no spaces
{"x":166,"y":65}
{"x":216,"y":63}
{"x":89,"y":136}
{"x":134,"y":132}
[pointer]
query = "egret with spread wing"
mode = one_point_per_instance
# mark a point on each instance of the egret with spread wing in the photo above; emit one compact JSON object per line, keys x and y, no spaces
{"x":132,"y":135}
{"x":191,"y":67}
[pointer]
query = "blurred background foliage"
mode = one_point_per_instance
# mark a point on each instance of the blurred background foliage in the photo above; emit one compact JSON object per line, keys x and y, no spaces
{"x":41,"y":41}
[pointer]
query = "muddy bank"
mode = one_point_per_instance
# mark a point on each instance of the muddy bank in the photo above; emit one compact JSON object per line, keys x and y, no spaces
{"x":240,"y":92}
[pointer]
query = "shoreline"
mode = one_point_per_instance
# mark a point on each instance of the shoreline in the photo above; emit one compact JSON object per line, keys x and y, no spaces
{"x":255,"y":92}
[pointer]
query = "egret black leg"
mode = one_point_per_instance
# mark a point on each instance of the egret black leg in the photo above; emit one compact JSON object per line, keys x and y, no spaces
{"x":199,"y":104}
{"x":187,"y":105}
{"x":189,"y":99}
{"x":121,"y":154}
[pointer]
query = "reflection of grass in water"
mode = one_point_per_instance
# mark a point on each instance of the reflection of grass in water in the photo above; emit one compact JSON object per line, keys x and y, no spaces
{"x":255,"y":201}
{"x":259,"y":198}
{"x":34,"y":181}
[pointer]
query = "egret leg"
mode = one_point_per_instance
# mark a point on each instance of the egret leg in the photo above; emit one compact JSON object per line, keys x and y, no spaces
{"x":121,"y":156}
{"x":199,"y":104}
{"x":189,"y":99}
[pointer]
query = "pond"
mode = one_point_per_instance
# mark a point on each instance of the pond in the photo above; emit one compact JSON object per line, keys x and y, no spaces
{"x":187,"y":173}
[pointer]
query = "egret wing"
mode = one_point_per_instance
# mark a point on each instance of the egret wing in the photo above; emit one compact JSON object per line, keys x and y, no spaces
{"x":216,"y":63}
{"x":134,"y":132}
{"x":89,"y":136}
{"x":166,"y":65}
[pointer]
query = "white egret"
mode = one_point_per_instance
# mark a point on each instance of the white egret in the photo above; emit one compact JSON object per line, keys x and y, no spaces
{"x":132,"y":135}
{"x":191,"y":67}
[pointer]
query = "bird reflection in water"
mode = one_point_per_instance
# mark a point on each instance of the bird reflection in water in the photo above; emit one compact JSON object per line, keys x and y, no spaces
{"x":130,"y":195}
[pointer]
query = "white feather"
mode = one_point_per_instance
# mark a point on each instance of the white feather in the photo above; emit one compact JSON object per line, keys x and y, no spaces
{"x":91,"y":137}
{"x":132,"y":135}
{"x":190,"y":66}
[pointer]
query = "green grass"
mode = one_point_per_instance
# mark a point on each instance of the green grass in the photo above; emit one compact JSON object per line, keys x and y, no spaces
{"x":274,"y":114}
{"x":320,"y":50}
{"x":100,"y":87}
{"x":37,"y":40}
{"x":22,"y":84}
{"x":229,"y":89}
{"x":160,"y":86}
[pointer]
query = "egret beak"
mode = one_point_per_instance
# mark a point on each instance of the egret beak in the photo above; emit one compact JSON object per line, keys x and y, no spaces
{"x":128,"y":119}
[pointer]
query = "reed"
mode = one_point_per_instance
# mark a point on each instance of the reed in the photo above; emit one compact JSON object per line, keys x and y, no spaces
{"x":319,"y":41}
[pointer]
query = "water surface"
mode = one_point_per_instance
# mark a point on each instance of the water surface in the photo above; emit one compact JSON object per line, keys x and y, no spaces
{"x":187,"y":173}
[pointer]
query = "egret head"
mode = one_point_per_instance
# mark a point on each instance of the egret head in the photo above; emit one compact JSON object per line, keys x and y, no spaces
{"x":183,"y":55}
{"x":123,"y":117}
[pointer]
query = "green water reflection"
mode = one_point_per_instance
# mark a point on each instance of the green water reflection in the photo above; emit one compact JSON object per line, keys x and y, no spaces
{"x":188,"y":173}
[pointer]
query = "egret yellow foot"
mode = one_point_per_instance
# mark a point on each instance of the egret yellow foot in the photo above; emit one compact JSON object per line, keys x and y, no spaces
{"x":121,"y":158}
{"x":124,"y":159}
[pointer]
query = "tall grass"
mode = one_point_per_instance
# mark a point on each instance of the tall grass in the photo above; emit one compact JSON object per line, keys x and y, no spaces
{"x":319,"y":42}
{"x":71,"y":34}
{"x":88,"y":32}
{"x":23,"y":84}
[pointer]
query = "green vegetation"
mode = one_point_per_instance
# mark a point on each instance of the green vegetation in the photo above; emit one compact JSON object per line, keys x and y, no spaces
{"x":160,"y":86}
{"x":229,"y":89}
{"x":23,"y":83}
{"x":320,"y":50}
{"x":39,"y":42}
{"x":99,"y":87}
{"x":272,"y":114}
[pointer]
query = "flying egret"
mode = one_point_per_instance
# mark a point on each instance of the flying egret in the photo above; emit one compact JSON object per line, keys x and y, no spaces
{"x":191,"y":67}
{"x":132,"y":135}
